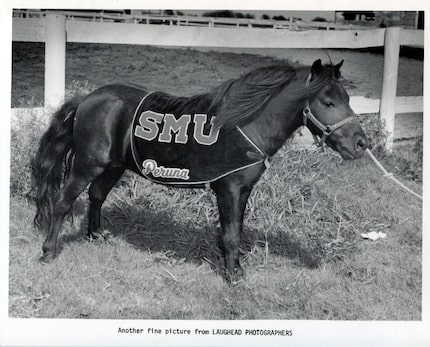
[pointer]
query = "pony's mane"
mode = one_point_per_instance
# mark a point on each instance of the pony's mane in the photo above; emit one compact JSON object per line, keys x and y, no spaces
{"x":238,"y":101}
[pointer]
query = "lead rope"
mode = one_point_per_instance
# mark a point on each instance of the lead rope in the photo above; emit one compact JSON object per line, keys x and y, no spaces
{"x":390,"y":175}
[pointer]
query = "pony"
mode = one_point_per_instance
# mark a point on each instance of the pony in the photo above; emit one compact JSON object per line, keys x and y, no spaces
{"x":93,"y":139}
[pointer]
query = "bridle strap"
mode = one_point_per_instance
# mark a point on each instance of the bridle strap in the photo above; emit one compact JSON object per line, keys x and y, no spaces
{"x":326,"y":130}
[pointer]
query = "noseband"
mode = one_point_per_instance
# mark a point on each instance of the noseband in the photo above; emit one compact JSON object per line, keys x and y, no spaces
{"x":326,"y":130}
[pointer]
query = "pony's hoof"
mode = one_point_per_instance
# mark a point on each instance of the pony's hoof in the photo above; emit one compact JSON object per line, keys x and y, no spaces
{"x":235,"y":282}
{"x":93,"y":236}
{"x":99,"y":235}
{"x":236,"y":277}
{"x":47,"y":257}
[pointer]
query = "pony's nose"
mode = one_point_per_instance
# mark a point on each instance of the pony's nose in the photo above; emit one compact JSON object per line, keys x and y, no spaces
{"x":361,"y":144}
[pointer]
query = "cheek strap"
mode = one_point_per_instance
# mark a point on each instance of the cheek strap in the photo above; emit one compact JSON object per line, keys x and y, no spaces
{"x":326,"y":130}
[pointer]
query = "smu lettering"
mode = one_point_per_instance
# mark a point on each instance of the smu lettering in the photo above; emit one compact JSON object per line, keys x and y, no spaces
{"x":175,"y":129}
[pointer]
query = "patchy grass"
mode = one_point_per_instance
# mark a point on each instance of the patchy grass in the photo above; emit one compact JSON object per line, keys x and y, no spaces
{"x":301,"y":250}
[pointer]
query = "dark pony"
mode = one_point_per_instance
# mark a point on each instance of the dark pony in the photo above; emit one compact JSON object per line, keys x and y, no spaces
{"x":89,"y":142}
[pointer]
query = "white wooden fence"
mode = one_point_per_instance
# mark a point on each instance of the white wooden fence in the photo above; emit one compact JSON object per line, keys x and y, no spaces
{"x":291,"y":23}
{"x":55,"y":30}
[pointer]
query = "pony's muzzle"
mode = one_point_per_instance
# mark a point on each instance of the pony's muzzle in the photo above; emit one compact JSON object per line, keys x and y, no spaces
{"x":361,"y":143}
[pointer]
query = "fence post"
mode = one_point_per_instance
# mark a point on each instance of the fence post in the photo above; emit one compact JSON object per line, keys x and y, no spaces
{"x":389,"y":83}
{"x":55,"y":59}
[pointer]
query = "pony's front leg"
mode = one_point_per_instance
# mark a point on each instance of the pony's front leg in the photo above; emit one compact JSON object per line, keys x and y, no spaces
{"x":232,"y":194}
{"x":231,"y":206}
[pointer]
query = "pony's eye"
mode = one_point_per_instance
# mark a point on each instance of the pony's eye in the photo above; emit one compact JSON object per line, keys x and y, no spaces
{"x":329,"y":104}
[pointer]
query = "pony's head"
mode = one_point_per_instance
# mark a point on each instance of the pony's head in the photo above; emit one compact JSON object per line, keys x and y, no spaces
{"x":327,"y":112}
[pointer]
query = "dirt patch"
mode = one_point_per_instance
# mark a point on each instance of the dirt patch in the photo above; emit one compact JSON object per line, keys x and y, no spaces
{"x":187,"y":71}
{"x":190,"y":71}
{"x":179,"y":72}
{"x":362,"y":71}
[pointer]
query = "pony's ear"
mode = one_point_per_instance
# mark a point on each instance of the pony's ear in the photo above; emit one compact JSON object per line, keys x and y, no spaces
{"x":316,"y":68}
{"x":336,"y":69}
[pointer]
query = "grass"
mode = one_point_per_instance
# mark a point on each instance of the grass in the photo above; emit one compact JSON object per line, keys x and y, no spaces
{"x":301,"y":247}
{"x":301,"y":250}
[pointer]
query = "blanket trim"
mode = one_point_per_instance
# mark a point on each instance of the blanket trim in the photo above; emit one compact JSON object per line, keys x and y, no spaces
{"x":252,"y":143}
{"x":185,"y":183}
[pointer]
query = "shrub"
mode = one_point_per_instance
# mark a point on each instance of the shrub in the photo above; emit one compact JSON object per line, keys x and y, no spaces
{"x":27,"y":127}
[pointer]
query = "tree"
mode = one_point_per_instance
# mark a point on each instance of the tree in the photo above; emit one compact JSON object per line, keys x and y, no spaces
{"x":227,"y":14}
{"x":279,"y":18}
{"x":222,"y":13}
{"x":319,"y":19}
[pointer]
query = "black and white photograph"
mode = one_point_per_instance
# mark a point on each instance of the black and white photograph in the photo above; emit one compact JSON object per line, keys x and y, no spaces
{"x":230,"y":174}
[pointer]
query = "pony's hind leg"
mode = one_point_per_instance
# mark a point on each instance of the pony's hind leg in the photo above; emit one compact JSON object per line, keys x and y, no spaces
{"x":77,"y":181}
{"x":98,"y":192}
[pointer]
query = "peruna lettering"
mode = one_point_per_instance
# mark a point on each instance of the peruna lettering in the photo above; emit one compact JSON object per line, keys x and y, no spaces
{"x":150,"y":166}
{"x":175,"y":129}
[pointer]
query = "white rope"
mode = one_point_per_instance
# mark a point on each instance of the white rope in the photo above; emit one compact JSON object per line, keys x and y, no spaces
{"x":390,"y":175}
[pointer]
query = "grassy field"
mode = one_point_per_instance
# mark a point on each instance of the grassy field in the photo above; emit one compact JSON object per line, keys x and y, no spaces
{"x":301,"y":248}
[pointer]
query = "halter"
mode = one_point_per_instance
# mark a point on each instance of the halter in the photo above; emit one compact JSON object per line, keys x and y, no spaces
{"x":326,"y":130}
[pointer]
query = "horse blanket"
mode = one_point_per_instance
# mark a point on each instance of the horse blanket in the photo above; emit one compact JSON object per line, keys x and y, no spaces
{"x":177,"y":143}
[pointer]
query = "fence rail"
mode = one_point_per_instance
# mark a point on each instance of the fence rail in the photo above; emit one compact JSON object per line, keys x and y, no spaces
{"x":33,"y":29}
{"x":291,"y":24}
{"x":53,"y":28}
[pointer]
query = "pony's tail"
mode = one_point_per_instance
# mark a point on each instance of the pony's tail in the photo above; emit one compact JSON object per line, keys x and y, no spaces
{"x":50,"y":167}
